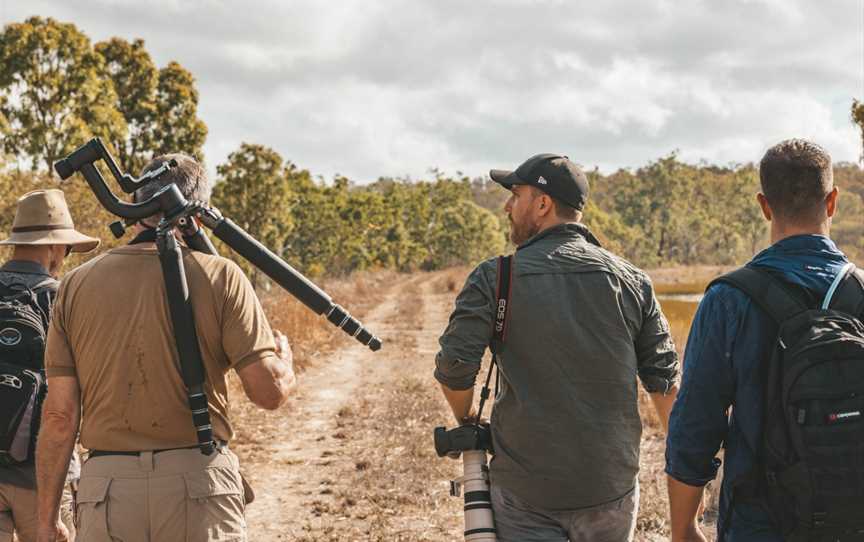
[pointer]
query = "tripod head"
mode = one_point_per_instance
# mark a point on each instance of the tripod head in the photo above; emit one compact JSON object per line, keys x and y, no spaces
{"x":177,"y":211}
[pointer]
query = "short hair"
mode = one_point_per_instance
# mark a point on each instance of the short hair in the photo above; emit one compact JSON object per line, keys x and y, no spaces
{"x":796,"y":176}
{"x":562,"y":210}
{"x":189,"y":176}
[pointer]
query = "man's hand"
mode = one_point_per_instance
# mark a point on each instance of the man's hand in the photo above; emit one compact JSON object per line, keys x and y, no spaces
{"x":283,"y":349}
{"x":470,"y":419}
{"x":684,"y":504}
{"x":56,"y":532}
{"x":663,"y":403}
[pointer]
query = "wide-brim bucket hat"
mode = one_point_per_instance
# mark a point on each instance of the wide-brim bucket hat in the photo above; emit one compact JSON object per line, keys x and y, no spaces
{"x":43,"y":218}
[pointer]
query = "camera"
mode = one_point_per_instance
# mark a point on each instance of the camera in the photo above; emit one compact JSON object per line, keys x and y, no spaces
{"x":473,"y":441}
{"x":463,"y":439}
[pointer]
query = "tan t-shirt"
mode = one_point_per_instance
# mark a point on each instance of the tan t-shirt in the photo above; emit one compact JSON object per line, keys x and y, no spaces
{"x":111,"y":328}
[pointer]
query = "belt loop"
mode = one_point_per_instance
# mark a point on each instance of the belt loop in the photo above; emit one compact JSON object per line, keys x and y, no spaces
{"x":145,"y":461}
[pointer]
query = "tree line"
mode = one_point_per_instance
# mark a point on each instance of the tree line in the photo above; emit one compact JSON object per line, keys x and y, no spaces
{"x":57,"y":90}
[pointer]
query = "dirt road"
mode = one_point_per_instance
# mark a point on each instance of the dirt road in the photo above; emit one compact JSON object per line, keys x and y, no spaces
{"x":350,"y":457}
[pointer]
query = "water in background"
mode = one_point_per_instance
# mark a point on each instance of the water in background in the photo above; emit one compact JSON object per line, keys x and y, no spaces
{"x":679,"y":309}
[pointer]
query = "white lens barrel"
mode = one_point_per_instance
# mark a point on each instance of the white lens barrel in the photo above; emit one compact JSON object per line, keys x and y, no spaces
{"x":479,"y":523}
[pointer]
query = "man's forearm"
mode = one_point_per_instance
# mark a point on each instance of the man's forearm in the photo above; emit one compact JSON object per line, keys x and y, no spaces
{"x":663,"y":405}
{"x":460,"y":402}
{"x":57,"y":434}
{"x":684,"y":501}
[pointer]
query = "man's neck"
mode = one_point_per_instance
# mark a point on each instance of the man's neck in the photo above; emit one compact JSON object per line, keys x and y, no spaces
{"x":553,"y":223}
{"x":35,"y":254}
{"x":784,"y":231}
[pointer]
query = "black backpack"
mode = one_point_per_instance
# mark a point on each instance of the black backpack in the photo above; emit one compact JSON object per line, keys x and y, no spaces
{"x":23,"y":330}
{"x":810,"y":469}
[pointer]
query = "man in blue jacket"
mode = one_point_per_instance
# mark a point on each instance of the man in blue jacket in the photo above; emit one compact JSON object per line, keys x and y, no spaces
{"x":731,"y":337}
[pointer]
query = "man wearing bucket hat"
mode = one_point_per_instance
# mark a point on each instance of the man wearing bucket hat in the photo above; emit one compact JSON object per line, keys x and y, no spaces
{"x":42,"y":235}
{"x":582,"y":324}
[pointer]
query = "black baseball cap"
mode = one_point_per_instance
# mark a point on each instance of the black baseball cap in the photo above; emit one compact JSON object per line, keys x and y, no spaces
{"x":554,"y":174}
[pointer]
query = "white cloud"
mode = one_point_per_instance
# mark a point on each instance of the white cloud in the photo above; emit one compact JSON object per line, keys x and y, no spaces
{"x":391,"y":88}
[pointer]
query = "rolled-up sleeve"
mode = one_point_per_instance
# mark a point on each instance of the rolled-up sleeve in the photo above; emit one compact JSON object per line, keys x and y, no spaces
{"x":699,"y":423}
{"x":657,"y":360}
{"x":469,"y":331}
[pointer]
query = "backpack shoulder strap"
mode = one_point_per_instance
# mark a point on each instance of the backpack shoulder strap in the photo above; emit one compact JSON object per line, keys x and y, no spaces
{"x":849,"y":294}
{"x":767,"y":291}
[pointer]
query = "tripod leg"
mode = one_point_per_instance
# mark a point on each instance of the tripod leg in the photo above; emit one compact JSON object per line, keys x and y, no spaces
{"x":182,"y":319}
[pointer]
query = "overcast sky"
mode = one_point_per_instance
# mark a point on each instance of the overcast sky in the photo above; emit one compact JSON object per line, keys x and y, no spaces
{"x":395,"y":87}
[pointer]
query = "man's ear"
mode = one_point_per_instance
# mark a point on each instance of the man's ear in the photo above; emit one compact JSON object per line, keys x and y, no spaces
{"x":831,"y":202}
{"x":545,"y":205}
{"x":766,"y":209}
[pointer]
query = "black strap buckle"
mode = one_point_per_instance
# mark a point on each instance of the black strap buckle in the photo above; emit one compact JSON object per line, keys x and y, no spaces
{"x":819,"y":519}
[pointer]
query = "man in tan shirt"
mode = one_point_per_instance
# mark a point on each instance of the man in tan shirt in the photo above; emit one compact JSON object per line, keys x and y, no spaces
{"x":111,"y":358}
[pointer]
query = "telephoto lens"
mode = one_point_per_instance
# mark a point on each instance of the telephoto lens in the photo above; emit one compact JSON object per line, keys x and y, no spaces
{"x":479,"y":522}
{"x":473,"y":441}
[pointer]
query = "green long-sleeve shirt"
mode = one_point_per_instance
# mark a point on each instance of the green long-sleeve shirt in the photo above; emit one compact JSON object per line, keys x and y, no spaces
{"x":583,"y":323}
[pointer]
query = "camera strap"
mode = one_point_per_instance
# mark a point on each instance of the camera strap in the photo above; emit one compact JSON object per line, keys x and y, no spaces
{"x":146,"y":236}
{"x":499,"y":331}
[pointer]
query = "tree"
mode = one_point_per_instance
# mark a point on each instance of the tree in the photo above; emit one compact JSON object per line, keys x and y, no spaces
{"x":463,"y":233}
{"x":253,"y":191}
{"x":177,"y":126}
{"x":53,"y":91}
{"x":858,"y":119}
{"x":160,"y":106}
{"x":135,"y":79}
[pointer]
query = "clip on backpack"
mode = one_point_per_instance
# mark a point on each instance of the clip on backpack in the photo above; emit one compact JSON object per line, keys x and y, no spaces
{"x":810,"y":471}
{"x":22,"y":384}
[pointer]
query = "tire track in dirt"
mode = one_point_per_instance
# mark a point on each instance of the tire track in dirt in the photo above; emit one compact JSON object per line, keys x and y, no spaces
{"x":303,"y":459}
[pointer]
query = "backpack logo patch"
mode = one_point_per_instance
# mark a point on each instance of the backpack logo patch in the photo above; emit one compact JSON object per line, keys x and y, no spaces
{"x":11,"y":381}
{"x":10,"y":336}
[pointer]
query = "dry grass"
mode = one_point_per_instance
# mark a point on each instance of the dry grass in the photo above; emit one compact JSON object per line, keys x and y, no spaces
{"x":311,"y":336}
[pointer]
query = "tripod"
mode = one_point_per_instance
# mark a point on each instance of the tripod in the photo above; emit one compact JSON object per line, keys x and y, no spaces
{"x":179,"y":214}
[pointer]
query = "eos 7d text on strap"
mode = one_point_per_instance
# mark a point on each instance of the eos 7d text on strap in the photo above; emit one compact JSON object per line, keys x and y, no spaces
{"x":499,"y":331}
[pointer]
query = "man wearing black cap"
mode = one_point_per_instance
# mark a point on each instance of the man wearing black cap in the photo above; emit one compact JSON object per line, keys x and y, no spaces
{"x":583,"y":323}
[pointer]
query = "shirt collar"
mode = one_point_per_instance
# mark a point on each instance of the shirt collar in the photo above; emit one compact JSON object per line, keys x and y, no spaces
{"x":567,"y":229}
{"x":25,"y":266}
{"x":803,"y":242}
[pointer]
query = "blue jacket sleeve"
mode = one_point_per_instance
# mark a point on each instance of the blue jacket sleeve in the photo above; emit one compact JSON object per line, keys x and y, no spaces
{"x":699,"y":420}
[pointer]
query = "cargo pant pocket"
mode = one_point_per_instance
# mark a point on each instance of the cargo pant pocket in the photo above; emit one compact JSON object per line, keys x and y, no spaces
{"x":91,"y":509}
{"x":214,"y":506}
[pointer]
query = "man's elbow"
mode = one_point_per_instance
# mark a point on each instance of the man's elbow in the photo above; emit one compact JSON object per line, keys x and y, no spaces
{"x":276,"y":395}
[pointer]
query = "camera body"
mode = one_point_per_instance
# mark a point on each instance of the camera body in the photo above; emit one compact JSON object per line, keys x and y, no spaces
{"x":463,"y":439}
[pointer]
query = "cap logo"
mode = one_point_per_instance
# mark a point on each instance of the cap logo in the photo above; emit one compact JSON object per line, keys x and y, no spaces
{"x":541,"y":180}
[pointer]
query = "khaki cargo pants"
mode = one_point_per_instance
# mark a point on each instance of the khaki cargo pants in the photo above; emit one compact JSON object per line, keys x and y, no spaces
{"x":18,"y":508}
{"x":177,"y":495}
